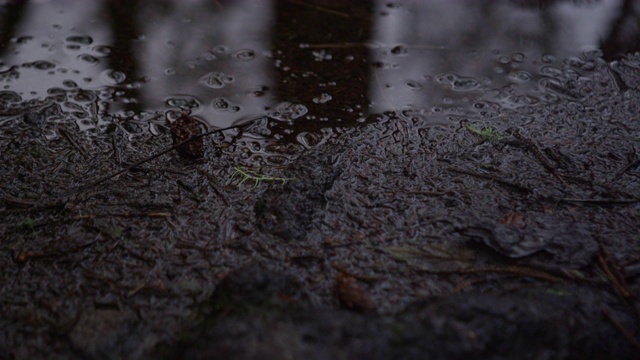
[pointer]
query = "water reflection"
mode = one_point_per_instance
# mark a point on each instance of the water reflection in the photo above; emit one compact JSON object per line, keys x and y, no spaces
{"x":341,"y":62}
{"x":441,"y":53}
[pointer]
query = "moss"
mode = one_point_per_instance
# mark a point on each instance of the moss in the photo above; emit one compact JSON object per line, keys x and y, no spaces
{"x":487,"y":133}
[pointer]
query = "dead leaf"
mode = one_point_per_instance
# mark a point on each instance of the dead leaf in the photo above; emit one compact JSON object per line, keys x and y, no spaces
{"x":351,"y":294}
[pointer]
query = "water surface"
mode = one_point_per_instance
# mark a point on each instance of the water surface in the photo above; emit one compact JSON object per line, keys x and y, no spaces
{"x":312,"y":67}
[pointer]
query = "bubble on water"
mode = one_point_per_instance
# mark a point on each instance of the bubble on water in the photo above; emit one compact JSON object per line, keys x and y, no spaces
{"x":309,"y":139}
{"x":220,"y":104}
{"x":69,"y":84}
{"x":287,"y":111}
{"x":413,"y":85}
{"x":80,"y":39}
{"x":244,"y":54}
{"x":400,"y":50}
{"x":209,"y":56}
{"x":89,"y":59}
{"x":40,"y":65}
{"x":220,"y":50}
{"x":183,"y":102}
{"x":112,"y":77}
{"x":521,"y":76}
{"x":518,"y":57}
{"x":446,"y":78}
{"x":547,"y":58}
{"x":10,"y":96}
{"x":458,"y":83}
{"x":169,"y":71}
{"x":574,"y":62}
{"x":216,"y":80}
{"x":504,"y":59}
{"x":322,"y":99}
{"x":550,"y":70}
{"x":56,"y":26}
{"x":102,"y":50}
{"x":259,"y":91}
{"x":24,"y":39}
{"x":85,"y":96}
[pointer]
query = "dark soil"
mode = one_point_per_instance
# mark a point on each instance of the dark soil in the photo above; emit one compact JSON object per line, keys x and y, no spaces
{"x":394,"y":239}
{"x":500,"y":233}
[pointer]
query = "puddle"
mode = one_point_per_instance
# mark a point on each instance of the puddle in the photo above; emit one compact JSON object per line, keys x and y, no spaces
{"x":414,"y":172}
{"x":340,"y":62}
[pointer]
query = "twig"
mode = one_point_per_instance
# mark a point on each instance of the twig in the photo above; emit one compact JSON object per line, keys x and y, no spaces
{"x":128,"y":215}
{"x":624,"y":331}
{"x":321,"y":8}
{"x":618,"y":283}
{"x":158,"y":154}
{"x":531,"y":147}
{"x":214,"y":186}
{"x":73,"y":143}
{"x":517,"y":187}
{"x":598,"y":201}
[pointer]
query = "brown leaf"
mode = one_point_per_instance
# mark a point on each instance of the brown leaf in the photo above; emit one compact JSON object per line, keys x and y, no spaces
{"x":515,"y":219}
{"x":351,"y":295}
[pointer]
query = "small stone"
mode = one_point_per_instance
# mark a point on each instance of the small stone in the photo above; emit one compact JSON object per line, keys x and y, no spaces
{"x":184,"y":128}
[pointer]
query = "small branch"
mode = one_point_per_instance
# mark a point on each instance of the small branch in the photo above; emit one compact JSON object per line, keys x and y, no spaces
{"x":624,"y":331}
{"x":598,"y":201}
{"x":517,"y":187}
{"x":158,"y":154}
{"x":533,"y":148}
{"x":127,"y":215}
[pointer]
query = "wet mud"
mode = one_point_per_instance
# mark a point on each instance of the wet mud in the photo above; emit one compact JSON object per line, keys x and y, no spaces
{"x":500,"y":225}
{"x":396,"y":238}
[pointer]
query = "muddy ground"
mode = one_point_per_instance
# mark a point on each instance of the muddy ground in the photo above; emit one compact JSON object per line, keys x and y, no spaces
{"x":504,"y":233}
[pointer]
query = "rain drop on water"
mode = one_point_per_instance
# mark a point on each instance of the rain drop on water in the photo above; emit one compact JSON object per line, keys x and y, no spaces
{"x":185,"y":102}
{"x":220,"y":49}
{"x":112,"y":77}
{"x":521,"y":76}
{"x":399,"y":50}
{"x":287,"y":111}
{"x":24,"y":39}
{"x":518,"y":57}
{"x":548,"y":58}
{"x":220,"y":104}
{"x":323,"y":98}
{"x":89,"y":58}
{"x":414,"y":85}
{"x":10,"y":96}
{"x":102,"y":50}
{"x":244,"y":54}
{"x":216,"y":80}
{"x":80,"y":39}
{"x":43,"y":65}
{"x":464,"y":84}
